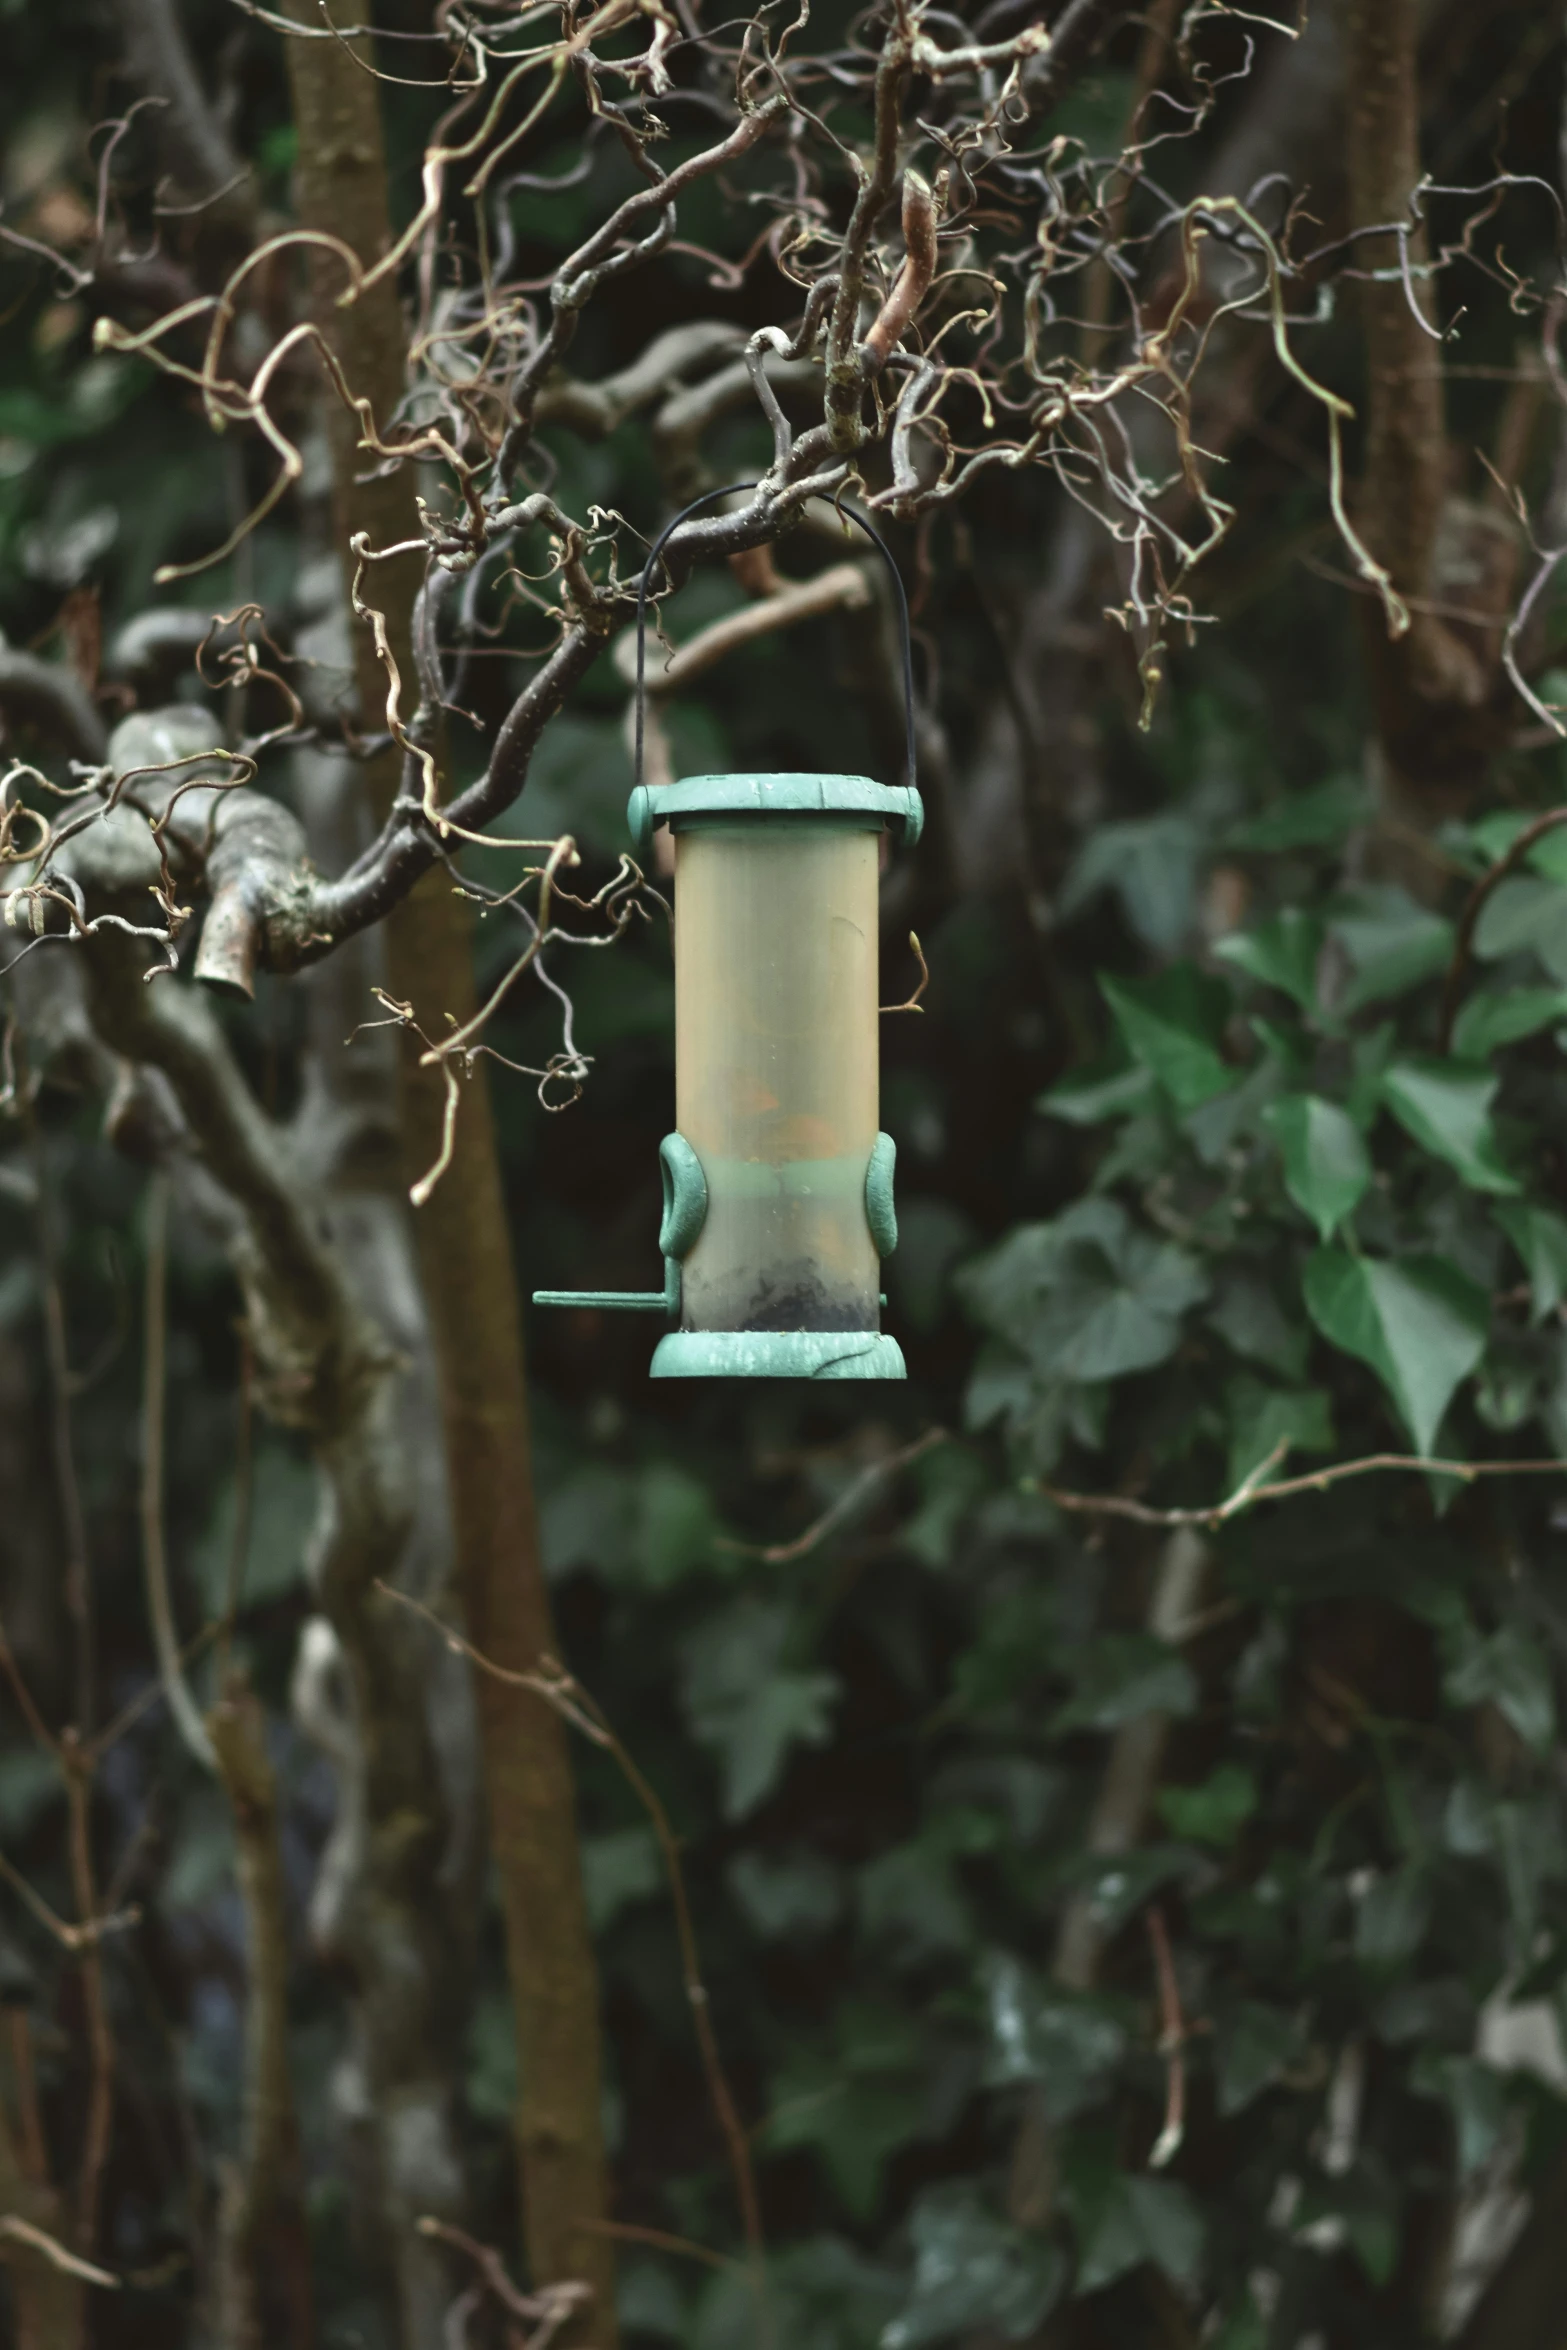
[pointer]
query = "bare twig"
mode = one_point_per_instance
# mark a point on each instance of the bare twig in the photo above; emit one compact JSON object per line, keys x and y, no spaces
{"x":1116,"y":1823}
{"x":852,"y":1499}
{"x":78,"y":1567}
{"x":244,"y":1493}
{"x":21,"y":2231}
{"x":547,"y":2311}
{"x":628,"y":2232}
{"x":81,"y":1936}
{"x":841,"y":586}
{"x":183,"y":1710}
{"x":913,"y":1003}
{"x":1172,"y":2044}
{"x":98,"y":2120}
{"x":573,"y":1703}
{"x":1247,"y":1497}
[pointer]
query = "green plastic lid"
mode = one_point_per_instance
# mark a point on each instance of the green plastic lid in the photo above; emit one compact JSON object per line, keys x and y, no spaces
{"x":652,"y":804}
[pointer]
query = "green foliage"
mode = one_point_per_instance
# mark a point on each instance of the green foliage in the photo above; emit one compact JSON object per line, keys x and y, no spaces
{"x":1448,"y":1111}
{"x":1174,"y":1025}
{"x":1540,"y":1237}
{"x":745,"y":1702}
{"x":1417,"y":1321}
{"x":1326,"y":1164}
{"x":1308,"y":1193}
{"x":971,"y":2269}
{"x":1121,"y":1675}
{"x":1216,"y":1811}
{"x":1124,"y":2220}
{"x":1087,"y":1298}
{"x":1180,"y":1203}
{"x":1069,"y":2045}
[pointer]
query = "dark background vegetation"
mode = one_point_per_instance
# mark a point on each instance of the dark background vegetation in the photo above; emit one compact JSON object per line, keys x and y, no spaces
{"x":886,"y":1757}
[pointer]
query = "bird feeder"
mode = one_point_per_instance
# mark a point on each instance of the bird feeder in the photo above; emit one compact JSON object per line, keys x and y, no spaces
{"x":778,"y":1203}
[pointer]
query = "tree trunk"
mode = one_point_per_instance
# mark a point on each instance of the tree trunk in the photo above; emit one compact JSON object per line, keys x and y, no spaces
{"x":1432,"y":685}
{"x":264,"y":2268}
{"x":471,"y":1290}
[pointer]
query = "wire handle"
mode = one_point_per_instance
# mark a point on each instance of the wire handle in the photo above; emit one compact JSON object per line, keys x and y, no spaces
{"x":710,"y":498}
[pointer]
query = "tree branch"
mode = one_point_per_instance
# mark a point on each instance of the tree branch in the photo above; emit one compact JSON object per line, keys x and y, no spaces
{"x":44,"y":695}
{"x":158,"y":57}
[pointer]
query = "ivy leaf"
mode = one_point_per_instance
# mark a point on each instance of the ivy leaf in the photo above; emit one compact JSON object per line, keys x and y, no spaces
{"x":1088,"y":1297}
{"x":1496,"y":1017}
{"x":1391,"y":1920}
{"x":855,"y":2100}
{"x":1326,"y":1164}
{"x":1122,"y":1675}
{"x":973,"y":2270}
{"x":1068,"y":2043}
{"x":676,"y":1525}
{"x":1097,"y":1093}
{"x":1549,"y":853}
{"x":1369,"y":1057}
{"x":1392,"y":942}
{"x":1245,"y":2329}
{"x":1541,"y":1240}
{"x":1419,"y":1324}
{"x":855,"y":2125}
{"x":1142,"y":2219}
{"x":587,"y":1521}
{"x":1116,"y":1310}
{"x":1289,"y":1048}
{"x":618,"y":1869}
{"x":1215,"y":1812}
{"x":1150,"y":862}
{"x":1360,"y":2208}
{"x":1447,"y":1109}
{"x":1117,"y":1884}
{"x":1248,"y":1315}
{"x":1305,"y":820}
{"x":797,"y":1897}
{"x":1262,"y":1418}
{"x":743,"y":1703}
{"x":821,"y":2292}
{"x":1487,"y":839}
{"x":1478,"y":2097}
{"x":1173,"y":1024}
{"x":1252,"y":2048}
{"x":1523,"y":915}
{"x":1281,"y":953}
{"x":911,"y":1902}
{"x":1513,"y":1672}
{"x":1001,"y":1386}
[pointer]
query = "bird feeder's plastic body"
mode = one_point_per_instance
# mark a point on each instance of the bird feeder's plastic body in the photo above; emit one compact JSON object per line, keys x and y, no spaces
{"x":776,"y":1084}
{"x":778,"y":1180}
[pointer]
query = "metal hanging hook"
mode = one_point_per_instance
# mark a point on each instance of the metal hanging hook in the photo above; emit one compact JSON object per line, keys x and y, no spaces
{"x":710,"y":498}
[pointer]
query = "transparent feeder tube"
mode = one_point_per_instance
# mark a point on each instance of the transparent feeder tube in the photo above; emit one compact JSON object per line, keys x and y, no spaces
{"x":776,"y":1070}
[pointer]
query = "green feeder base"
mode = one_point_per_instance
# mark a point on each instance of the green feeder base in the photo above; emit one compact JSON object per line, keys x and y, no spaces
{"x":778,"y":1354}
